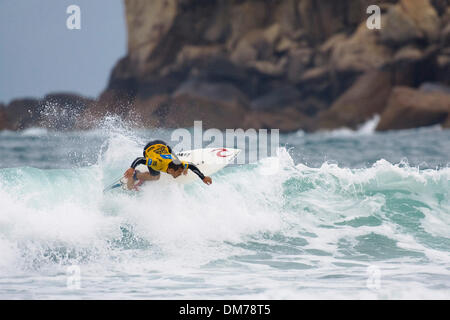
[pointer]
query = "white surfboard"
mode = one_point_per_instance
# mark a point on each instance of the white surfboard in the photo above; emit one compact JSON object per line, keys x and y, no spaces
{"x":209,"y":161}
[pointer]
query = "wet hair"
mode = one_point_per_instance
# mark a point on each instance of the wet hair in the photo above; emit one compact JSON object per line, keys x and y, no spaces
{"x":174,"y":166}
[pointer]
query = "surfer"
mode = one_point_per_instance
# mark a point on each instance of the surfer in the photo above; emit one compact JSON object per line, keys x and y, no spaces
{"x":158,"y":157}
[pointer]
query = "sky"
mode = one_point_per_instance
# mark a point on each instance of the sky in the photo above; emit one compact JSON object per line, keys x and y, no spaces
{"x":40,"y":55}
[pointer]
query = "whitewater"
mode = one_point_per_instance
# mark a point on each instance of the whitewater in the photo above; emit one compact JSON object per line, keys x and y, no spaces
{"x":342,"y":215}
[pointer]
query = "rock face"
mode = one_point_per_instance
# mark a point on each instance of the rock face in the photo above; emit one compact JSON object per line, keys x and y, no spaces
{"x":287,"y":64}
{"x":365,"y":98}
{"x":57,"y":111}
{"x":411,"y":20}
{"x":408,"y":108}
{"x":294,"y":64}
{"x":21,"y":114}
{"x":3,"y":118}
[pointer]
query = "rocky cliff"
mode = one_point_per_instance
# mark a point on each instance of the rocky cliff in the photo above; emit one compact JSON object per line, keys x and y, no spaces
{"x":55,"y":111}
{"x":292,"y":64}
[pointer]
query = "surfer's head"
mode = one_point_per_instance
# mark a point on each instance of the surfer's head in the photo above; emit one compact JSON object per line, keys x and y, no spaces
{"x":175,"y":170}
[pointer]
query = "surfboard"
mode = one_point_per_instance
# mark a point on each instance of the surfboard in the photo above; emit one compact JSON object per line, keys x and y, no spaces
{"x":208,"y":160}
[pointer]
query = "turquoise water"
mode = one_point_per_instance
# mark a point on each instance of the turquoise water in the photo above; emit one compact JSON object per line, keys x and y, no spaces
{"x":344,"y":214}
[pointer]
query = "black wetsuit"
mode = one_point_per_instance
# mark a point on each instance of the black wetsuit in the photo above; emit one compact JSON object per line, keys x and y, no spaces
{"x":143,"y":160}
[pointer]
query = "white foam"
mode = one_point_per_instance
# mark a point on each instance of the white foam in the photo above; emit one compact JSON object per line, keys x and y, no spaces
{"x":367,"y":128}
{"x":34,"y":132}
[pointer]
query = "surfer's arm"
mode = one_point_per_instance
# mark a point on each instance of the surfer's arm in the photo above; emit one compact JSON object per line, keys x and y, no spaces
{"x":130,"y":173}
{"x":133,"y":175}
{"x":197,"y":171}
{"x":138,"y":161}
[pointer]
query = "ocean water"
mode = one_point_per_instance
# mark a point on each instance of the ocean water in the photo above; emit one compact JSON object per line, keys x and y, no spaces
{"x":343,"y":215}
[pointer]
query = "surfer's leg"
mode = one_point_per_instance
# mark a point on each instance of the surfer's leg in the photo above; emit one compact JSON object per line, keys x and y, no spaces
{"x":131,"y":181}
{"x":151,"y":175}
{"x":146,"y":176}
{"x":141,"y":177}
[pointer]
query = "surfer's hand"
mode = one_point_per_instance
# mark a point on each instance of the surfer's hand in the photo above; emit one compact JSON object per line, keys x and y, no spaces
{"x":185,"y":171}
{"x":129,"y":173}
{"x":207,"y":180}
